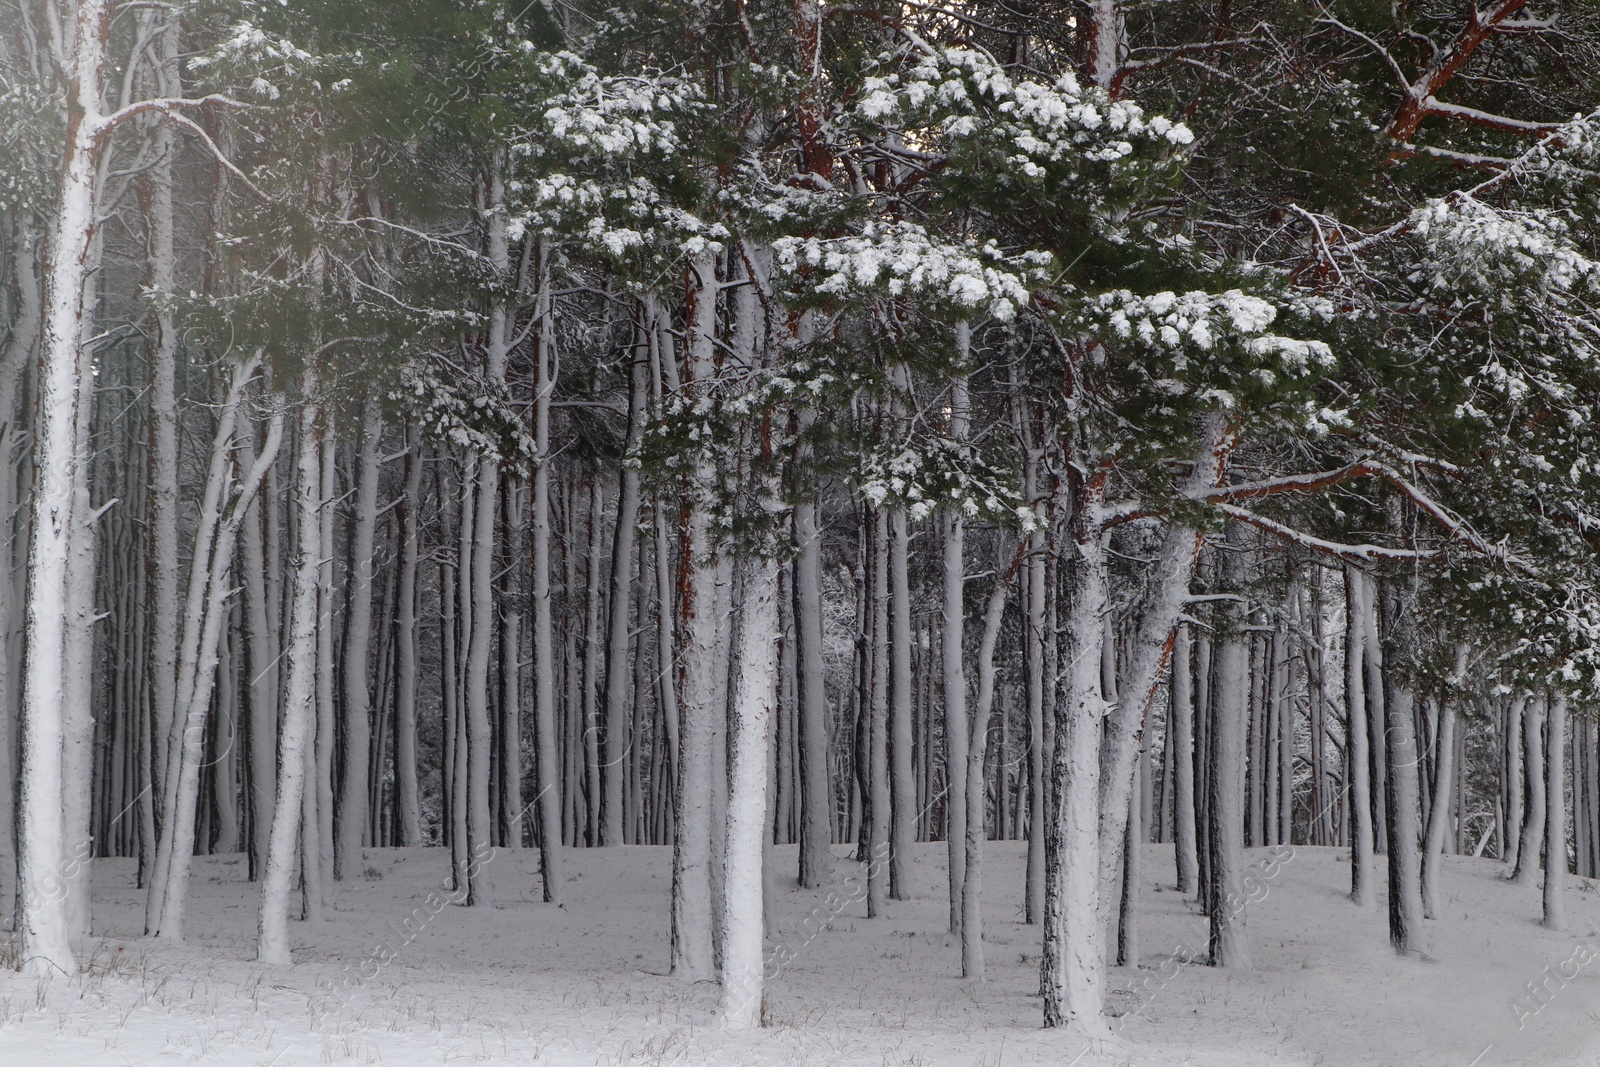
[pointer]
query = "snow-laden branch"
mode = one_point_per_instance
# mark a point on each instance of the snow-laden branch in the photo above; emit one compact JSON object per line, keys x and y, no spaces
{"x":1432,"y":105}
{"x":1452,"y":523}
{"x":1294,"y":483}
{"x":1321,"y":544}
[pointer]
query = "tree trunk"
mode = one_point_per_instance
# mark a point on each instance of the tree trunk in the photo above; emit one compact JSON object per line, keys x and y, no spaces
{"x":547,"y":758}
{"x":407,"y":794}
{"x":357,"y":707}
{"x":617,"y":742}
{"x":1535,"y":808}
{"x":692,"y":956}
{"x":1405,"y":875}
{"x":299,"y":690}
{"x":1225,"y":776}
{"x":1555,"y":823}
{"x":750,"y":725}
{"x":1444,"y":780}
{"x":972,"y":966}
{"x":1358,"y":594}
{"x":1180,"y":738}
{"x":1073,"y":960}
{"x":956,"y":728}
{"x":816,"y":791}
{"x":902,"y":784}
{"x":43,"y":921}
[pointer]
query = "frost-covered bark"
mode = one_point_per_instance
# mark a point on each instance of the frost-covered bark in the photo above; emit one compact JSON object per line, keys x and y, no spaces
{"x":972,"y":964}
{"x":750,"y":726}
{"x":1535,"y":808}
{"x":1555,"y":824}
{"x":1180,"y":718}
{"x":356,"y":708}
{"x":1073,"y":961}
{"x":956,"y":732}
{"x":618,"y":742}
{"x":816,"y":793}
{"x":1358,"y":593}
{"x":699,"y":687}
{"x":547,"y":758}
{"x":902,"y":784}
{"x":299,"y":696}
{"x":1230,"y":946}
{"x":1404,"y":847}
{"x":1444,"y":780}
{"x":43,"y":920}
{"x":195,"y":688}
{"x":407,"y":795}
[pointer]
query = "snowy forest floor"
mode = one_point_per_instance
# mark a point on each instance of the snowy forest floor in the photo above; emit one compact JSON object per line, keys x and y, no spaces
{"x":584,"y":984}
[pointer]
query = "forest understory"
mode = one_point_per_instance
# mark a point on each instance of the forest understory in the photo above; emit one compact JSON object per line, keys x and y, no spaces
{"x":586,"y":984}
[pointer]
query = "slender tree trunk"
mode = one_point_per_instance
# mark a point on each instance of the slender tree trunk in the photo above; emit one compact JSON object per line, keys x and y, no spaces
{"x":1555,"y":823}
{"x":1444,"y":778}
{"x":1358,"y":593}
{"x":1405,"y":874}
{"x":1230,"y":947}
{"x":547,"y":759}
{"x":1073,"y":961}
{"x":618,"y":743}
{"x":43,"y":917}
{"x":692,"y":956}
{"x":1181,"y":739}
{"x":195,"y":691}
{"x":750,"y":727}
{"x":816,"y":791}
{"x":972,"y":964}
{"x":902,"y":785}
{"x":357,"y":707}
{"x":407,"y":793}
{"x":299,"y":690}
{"x":1535,"y":807}
{"x":956,"y":726}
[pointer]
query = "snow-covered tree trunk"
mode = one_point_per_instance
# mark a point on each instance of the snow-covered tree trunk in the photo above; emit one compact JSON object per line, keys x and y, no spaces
{"x":299,"y":699}
{"x":1358,"y":593}
{"x":1511,"y":735}
{"x":407,"y":795}
{"x":902,"y":785}
{"x":317,"y":875}
{"x":162,"y":500}
{"x":593,"y":653}
{"x":816,"y":794}
{"x":1180,"y":735}
{"x":1072,"y":964}
{"x":261,"y":657}
{"x":1150,"y":650}
{"x":25,"y":325}
{"x":195,"y":695}
{"x":1404,"y":855}
{"x":1444,"y":779}
{"x":1535,"y":808}
{"x":956,"y":732}
{"x":699,"y":687}
{"x":1230,"y":689}
{"x":1555,"y":823}
{"x":357,"y":705}
{"x":972,"y":963}
{"x":876,"y":797}
{"x":547,"y":758}
{"x":43,"y":915}
{"x":618,"y":742}
{"x":750,"y":724}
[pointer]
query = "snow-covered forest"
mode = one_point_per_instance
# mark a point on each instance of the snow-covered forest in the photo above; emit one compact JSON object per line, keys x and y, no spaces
{"x":708,"y":481}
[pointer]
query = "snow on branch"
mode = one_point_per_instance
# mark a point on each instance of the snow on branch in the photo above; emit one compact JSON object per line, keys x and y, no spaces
{"x":1321,"y":544}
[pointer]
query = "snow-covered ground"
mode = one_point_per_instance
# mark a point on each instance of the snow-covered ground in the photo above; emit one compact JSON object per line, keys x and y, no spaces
{"x":384,"y":980}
